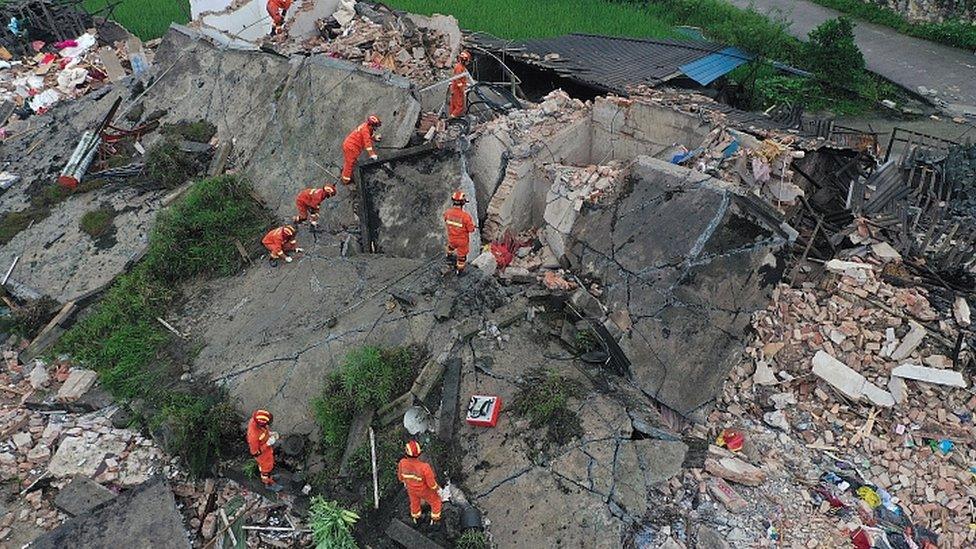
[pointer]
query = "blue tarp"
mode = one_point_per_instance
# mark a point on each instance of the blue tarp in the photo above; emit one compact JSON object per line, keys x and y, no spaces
{"x":715,"y":65}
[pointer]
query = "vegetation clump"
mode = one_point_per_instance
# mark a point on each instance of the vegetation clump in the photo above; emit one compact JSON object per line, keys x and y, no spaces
{"x":543,"y":398}
{"x":97,"y":223}
{"x":331,"y":524}
{"x":368,"y":378}
{"x":168,"y":167}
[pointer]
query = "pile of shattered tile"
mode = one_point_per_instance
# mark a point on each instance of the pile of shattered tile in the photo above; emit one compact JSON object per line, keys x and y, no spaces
{"x":854,"y":403}
{"x":424,"y":55}
{"x":42,"y":441}
{"x":534,"y":123}
{"x":63,"y":71}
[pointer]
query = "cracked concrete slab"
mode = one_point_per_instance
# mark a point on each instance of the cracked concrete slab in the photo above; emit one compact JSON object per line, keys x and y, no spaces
{"x":682,"y":256}
{"x":266,"y":336}
{"x":145,"y":516}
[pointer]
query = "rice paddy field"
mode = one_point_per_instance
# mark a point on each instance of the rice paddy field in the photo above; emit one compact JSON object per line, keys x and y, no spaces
{"x":147,"y":19}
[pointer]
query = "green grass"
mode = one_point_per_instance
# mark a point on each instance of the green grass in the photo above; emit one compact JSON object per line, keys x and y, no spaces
{"x":169,"y":167}
{"x":124,"y":343}
{"x":147,"y":19}
{"x":954,"y":32}
{"x":369,"y":377}
{"x":331,"y":524}
{"x":97,"y":222}
{"x":472,"y":539}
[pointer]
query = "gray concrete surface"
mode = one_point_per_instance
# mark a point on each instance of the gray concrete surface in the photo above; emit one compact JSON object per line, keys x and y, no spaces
{"x":266,"y":336}
{"x":689,"y":267}
{"x":907,"y":61}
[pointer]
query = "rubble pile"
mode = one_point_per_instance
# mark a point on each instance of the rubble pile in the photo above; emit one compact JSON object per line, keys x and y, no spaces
{"x":423,"y":57}
{"x":590,"y":184}
{"x":37,"y":444}
{"x":534,"y":123}
{"x":849,"y":389}
{"x":62,"y":71}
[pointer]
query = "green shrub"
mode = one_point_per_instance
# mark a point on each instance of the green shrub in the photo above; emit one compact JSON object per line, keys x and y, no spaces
{"x":331,"y":524}
{"x":953,"y":32}
{"x":97,"y":223}
{"x":833,"y":56}
{"x":389,"y":450}
{"x":196,"y":237}
{"x":13,"y":222}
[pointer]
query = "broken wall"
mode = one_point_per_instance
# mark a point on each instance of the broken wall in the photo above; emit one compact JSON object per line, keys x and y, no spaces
{"x":679,"y":254}
{"x":624,"y":129}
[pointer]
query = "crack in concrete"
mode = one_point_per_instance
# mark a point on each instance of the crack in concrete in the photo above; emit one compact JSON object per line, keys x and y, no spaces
{"x":505,"y":481}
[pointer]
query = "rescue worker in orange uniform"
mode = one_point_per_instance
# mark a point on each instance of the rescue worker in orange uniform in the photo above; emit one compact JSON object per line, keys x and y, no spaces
{"x":459,"y":86}
{"x":280,"y":241}
{"x":260,"y":439}
{"x":309,"y":201}
{"x":459,"y":228}
{"x":277,"y":9}
{"x":421,"y":483}
{"x":357,"y":140}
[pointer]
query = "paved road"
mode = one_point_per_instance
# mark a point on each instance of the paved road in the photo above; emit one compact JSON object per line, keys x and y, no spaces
{"x":907,"y":61}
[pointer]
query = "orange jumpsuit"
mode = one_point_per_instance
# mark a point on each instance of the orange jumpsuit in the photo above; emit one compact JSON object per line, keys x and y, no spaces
{"x":308,"y":202}
{"x":459,"y":225}
{"x":277,"y":243}
{"x":257,"y":443}
{"x":277,"y":9}
{"x":421,"y":483}
{"x":357,"y":140}
{"x":459,"y":88}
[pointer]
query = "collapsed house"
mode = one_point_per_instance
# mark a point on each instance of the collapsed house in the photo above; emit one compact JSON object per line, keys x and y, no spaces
{"x":658,"y":227}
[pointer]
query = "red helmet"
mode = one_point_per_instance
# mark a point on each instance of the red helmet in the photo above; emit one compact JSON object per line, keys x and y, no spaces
{"x":288,"y":230}
{"x":374,"y":121}
{"x":263,"y":417}
{"x":329,"y":189}
{"x":458,"y":197}
{"x":464,"y":56}
{"x":412,"y":449}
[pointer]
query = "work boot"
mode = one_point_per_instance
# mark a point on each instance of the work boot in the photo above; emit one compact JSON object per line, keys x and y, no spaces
{"x":451,"y":259}
{"x":274,"y":262}
{"x":460,"y":272}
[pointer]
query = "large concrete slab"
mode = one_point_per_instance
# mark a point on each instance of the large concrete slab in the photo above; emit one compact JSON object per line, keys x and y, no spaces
{"x":266,"y":334}
{"x":680,"y":254}
{"x":143,"y":518}
{"x":286,"y":117}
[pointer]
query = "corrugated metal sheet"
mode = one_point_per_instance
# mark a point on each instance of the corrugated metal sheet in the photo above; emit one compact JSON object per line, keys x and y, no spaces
{"x":606,"y":62}
{"x":711,"y":67}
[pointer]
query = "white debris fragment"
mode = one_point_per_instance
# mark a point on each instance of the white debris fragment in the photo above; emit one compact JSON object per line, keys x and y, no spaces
{"x":930,"y":375}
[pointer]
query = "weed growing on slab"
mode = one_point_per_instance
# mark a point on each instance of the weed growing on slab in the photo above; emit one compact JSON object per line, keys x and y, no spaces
{"x":542,"y":397}
{"x":97,"y":223}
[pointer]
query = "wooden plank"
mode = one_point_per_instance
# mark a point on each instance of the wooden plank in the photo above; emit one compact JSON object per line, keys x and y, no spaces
{"x":449,"y":400}
{"x":408,"y":537}
{"x":358,"y":432}
{"x":49,"y":334}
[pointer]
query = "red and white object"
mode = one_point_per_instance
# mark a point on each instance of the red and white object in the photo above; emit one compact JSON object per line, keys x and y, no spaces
{"x":483,"y":410}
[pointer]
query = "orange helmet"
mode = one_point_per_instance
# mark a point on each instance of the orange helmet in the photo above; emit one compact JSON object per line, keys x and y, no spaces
{"x":458,"y":197}
{"x":263,"y":417}
{"x":288,"y":230}
{"x":374,"y":121}
{"x":464,"y":56}
{"x":412,"y":449}
{"x":329,"y":189}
